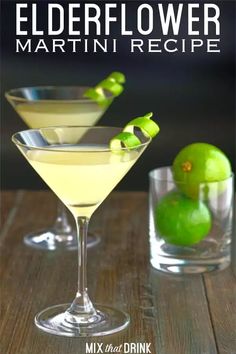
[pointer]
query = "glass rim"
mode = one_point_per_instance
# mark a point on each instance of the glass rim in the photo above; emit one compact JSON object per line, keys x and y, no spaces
{"x":10,"y":94}
{"x":171,"y":180}
{"x":17,"y":143}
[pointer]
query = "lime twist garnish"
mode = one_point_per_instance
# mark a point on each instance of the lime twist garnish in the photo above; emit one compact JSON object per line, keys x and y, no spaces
{"x":127,"y":137}
{"x":113,"y":84}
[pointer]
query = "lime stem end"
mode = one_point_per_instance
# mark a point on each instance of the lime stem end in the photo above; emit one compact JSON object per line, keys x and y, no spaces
{"x":187,"y":166}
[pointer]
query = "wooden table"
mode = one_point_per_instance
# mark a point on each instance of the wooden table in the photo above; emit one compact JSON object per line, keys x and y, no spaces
{"x":177,"y":315}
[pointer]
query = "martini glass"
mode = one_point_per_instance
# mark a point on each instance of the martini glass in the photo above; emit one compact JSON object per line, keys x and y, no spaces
{"x":78,"y":165}
{"x":47,"y":106}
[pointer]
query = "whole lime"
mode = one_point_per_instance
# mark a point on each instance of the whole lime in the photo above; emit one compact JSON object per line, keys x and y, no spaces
{"x":182,"y":221}
{"x":199,"y":163}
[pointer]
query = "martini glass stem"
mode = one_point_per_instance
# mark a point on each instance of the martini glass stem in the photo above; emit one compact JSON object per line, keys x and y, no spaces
{"x":62,"y":225}
{"x":81,"y":310}
{"x":82,"y":229}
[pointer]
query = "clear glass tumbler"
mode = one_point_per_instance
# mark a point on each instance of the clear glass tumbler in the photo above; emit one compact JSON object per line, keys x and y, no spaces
{"x":189,"y":235}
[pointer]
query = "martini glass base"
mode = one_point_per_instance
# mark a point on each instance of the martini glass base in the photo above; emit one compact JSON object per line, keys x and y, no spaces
{"x":107,"y":321}
{"x":49,"y":240}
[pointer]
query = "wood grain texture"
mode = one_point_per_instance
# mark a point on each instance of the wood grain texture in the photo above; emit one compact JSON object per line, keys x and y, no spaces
{"x":221,"y":293}
{"x":175,"y":314}
{"x":8,"y":200}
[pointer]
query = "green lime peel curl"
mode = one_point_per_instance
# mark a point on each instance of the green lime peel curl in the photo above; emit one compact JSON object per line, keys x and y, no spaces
{"x":112,"y":84}
{"x":127,"y":137}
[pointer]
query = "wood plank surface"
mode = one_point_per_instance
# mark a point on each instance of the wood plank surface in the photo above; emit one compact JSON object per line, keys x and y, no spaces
{"x":176,"y":314}
{"x":8,"y":202}
{"x":221,"y":293}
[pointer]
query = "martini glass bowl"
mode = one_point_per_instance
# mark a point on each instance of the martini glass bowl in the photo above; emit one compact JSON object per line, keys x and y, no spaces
{"x":79,"y":166}
{"x":45,"y":106}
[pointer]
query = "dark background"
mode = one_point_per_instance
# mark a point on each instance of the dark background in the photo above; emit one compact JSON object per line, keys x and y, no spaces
{"x":192,"y":95}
